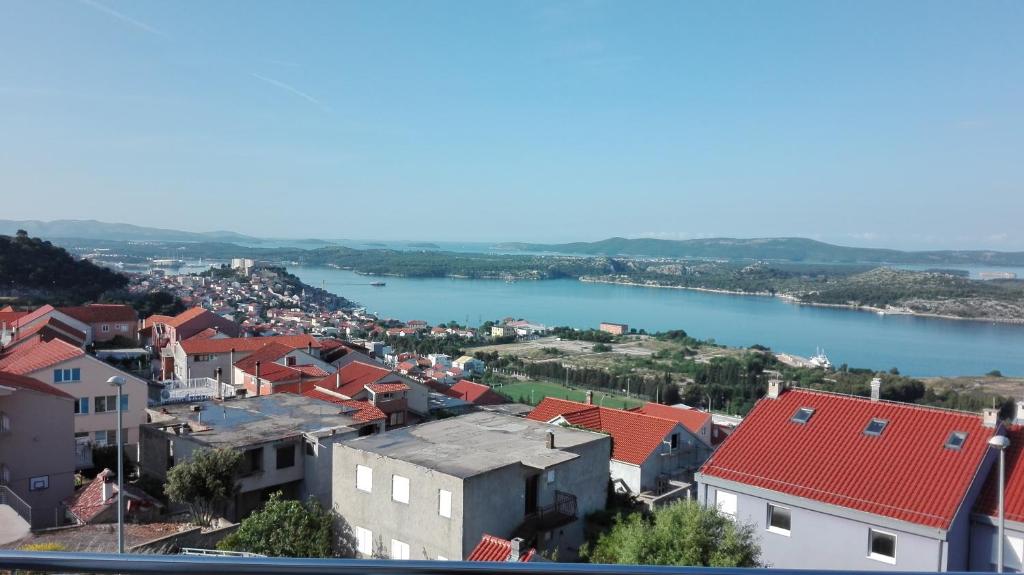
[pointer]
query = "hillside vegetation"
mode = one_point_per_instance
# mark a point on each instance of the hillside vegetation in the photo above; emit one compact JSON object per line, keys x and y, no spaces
{"x":32,"y":269}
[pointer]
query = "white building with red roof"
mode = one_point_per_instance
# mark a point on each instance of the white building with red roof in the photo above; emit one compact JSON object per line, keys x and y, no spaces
{"x":201,"y":356}
{"x":832,"y":481}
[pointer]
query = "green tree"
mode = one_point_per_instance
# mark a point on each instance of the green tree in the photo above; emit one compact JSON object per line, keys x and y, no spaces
{"x":205,"y":482}
{"x":684,"y":533}
{"x":285,"y":528}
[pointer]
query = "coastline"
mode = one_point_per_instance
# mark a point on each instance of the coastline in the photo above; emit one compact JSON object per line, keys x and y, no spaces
{"x":794,"y":300}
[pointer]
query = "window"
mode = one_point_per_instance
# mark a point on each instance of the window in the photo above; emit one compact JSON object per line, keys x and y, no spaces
{"x":399,"y":550}
{"x":104,"y":438}
{"x":802,"y":415}
{"x":105,"y":328}
{"x":82,"y":406}
{"x":122,"y":327}
{"x":551,"y":476}
{"x":726,"y":502}
{"x":882,"y":546}
{"x":674,"y":443}
{"x":875,"y":427}
{"x":956,"y":440}
{"x":252,"y":461}
{"x":286,"y":456}
{"x":400,"y":488}
{"x":778,"y":519}
{"x":124,"y":402}
{"x":5,"y":423}
{"x":67,"y":375}
{"x":5,"y":474}
{"x":397,"y":418}
{"x":1013,"y":553}
{"x":105,"y":403}
{"x":364,"y":541}
{"x":444,"y":503}
{"x":364,"y":478}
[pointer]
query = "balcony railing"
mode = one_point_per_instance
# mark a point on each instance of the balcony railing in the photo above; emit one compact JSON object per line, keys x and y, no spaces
{"x":561,"y":512}
{"x":195,"y":389}
{"x":174,"y":564}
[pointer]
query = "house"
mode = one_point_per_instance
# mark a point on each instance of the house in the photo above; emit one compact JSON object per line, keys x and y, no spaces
{"x":390,"y":392}
{"x":163,"y":332}
{"x":502,"y":331}
{"x":699,"y":423}
{"x":984,"y":521}
{"x":97,"y":502}
{"x":107,"y":321}
{"x":614,"y":328}
{"x":832,"y":481}
{"x":525,"y":328}
{"x":432,"y":491}
{"x":84,"y":378}
{"x":651,"y":457}
{"x":470,"y":364}
{"x":439,"y":360}
{"x":201,"y":357}
{"x":477,"y":393}
{"x":277,"y":367}
{"x":285,"y":439}
{"x":51,"y":320}
{"x":496,"y":549}
{"x":37,"y":456}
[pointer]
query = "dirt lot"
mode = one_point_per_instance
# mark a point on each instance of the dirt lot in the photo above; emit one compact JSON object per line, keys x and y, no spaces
{"x":1005,"y":386}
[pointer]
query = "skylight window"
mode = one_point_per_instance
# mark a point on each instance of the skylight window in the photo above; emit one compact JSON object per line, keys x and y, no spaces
{"x":956,"y":440}
{"x":875,"y":427}
{"x":802,"y":415}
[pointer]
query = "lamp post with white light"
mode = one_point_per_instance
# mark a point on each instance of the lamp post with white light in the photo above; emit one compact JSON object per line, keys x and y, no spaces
{"x":1000,"y":442}
{"x":118,"y":382}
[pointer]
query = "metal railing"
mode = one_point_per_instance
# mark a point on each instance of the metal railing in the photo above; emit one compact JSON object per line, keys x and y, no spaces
{"x":194,"y":389}
{"x":174,"y":564}
{"x":11,"y":499}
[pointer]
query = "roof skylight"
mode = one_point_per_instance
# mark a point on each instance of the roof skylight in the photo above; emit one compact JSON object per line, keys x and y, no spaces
{"x":802,"y":415}
{"x":875,"y":427}
{"x":956,"y":440}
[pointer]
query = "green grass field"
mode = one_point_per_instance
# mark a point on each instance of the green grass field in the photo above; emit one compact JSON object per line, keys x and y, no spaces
{"x":532,"y":392}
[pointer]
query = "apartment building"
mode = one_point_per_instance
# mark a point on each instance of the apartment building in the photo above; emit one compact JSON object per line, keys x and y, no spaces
{"x":432,"y":491}
{"x":37,"y":455}
{"x":984,"y":522}
{"x":614,"y":328}
{"x":839,"y":482}
{"x":107,"y":321}
{"x":84,"y":378}
{"x":201,"y":357}
{"x":286,"y":440}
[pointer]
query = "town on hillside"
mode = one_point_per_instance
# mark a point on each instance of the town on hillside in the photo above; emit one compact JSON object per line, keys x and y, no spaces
{"x":298,"y":401}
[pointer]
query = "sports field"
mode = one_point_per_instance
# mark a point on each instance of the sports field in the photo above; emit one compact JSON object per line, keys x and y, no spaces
{"x":531,"y":392}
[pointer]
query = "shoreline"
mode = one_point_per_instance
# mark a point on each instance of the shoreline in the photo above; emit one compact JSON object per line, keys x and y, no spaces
{"x":794,"y":300}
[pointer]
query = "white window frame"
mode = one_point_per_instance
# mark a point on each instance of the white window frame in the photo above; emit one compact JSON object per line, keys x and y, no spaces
{"x":364,"y":541}
{"x":400,"y":489}
{"x":878,"y":556}
{"x":364,"y":478}
{"x":768,"y":520}
{"x":726,"y":503}
{"x":399,"y":550}
{"x":444,"y":503}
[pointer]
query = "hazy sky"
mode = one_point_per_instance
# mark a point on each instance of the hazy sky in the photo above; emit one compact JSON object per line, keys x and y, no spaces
{"x":865,"y":123}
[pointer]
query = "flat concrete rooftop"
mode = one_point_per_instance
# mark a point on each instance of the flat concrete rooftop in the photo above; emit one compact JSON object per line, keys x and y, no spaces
{"x":477,"y":442}
{"x":239,"y":422}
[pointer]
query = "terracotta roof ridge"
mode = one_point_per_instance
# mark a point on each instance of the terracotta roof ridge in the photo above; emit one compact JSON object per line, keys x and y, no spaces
{"x":903,"y":404}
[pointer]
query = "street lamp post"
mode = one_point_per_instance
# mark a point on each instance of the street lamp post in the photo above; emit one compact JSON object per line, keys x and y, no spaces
{"x":118,"y":382}
{"x":1000,"y":442}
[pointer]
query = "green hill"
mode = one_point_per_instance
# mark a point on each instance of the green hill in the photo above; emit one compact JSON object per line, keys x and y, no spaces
{"x":35,"y":270}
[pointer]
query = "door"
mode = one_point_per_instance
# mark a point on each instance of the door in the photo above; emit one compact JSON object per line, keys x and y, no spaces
{"x":532,"y":485}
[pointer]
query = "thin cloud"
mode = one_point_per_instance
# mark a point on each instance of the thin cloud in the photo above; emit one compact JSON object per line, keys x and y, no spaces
{"x":122,"y":17}
{"x":293,"y":90}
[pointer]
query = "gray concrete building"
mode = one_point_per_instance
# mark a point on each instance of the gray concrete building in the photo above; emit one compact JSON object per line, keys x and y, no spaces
{"x":286,"y":441}
{"x":432,"y":491}
{"x":839,"y":482}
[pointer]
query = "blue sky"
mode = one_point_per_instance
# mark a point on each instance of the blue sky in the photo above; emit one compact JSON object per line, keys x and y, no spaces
{"x":865,"y":123}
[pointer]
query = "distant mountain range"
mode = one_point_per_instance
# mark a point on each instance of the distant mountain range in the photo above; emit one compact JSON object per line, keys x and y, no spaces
{"x":774,"y":249}
{"x":92,"y":229}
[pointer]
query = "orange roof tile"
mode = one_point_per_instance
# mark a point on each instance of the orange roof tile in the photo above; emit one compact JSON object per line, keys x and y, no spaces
{"x":692,"y":419}
{"x":477,"y":393}
{"x":22,"y":382}
{"x":493,"y":549}
{"x":23,"y":361}
{"x":1013,"y":509}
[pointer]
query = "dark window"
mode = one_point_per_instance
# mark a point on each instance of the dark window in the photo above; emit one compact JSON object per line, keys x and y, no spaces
{"x":310,"y":450}
{"x":286,"y":456}
{"x":675,"y":440}
{"x":803,"y":415}
{"x":883,"y":545}
{"x":875,"y":427}
{"x":956,"y":440}
{"x":778,"y":518}
{"x":252,"y":461}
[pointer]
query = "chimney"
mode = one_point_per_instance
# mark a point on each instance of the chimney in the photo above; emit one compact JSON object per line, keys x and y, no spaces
{"x":590,"y":397}
{"x":775,"y":388}
{"x":232,"y":361}
{"x":337,"y":379}
{"x":108,"y":484}
{"x":257,"y":379}
{"x":990,"y":416}
{"x":516,"y":550}
{"x":220,"y":388}
{"x":550,"y":440}
{"x":1018,"y":412}
{"x":876,"y":389}
{"x":309,"y":348}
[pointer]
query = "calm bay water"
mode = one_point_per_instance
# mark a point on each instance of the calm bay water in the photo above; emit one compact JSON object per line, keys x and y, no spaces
{"x":917,"y":346}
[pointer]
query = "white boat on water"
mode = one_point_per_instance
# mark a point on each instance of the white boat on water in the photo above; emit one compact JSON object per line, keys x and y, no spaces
{"x":820,"y":359}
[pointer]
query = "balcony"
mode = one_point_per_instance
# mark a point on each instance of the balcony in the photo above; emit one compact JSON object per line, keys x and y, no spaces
{"x":547,"y":518}
{"x":195,"y":389}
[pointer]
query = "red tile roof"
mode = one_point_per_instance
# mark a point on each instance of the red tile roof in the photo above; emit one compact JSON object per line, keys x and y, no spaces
{"x":88,"y":502}
{"x":634,"y":436}
{"x":365,"y":411}
{"x":905,"y":473}
{"x":8,"y":315}
{"x":493,"y":548}
{"x":691,"y":419}
{"x":35,"y":314}
{"x":390,"y":387}
{"x":311,"y":370}
{"x":270,"y":352}
{"x":353,"y":377}
{"x":224,"y":345}
{"x":102,"y":312}
{"x":26,"y":360}
{"x":22,"y":382}
{"x":477,"y":393}
{"x":988,"y":503}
